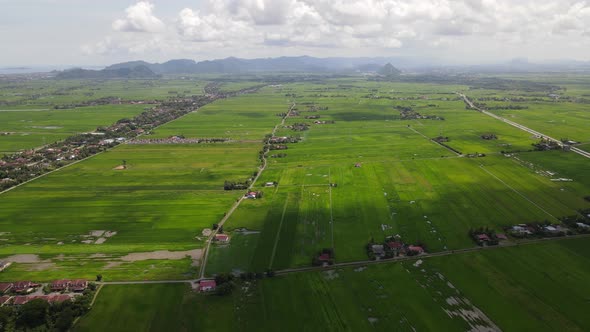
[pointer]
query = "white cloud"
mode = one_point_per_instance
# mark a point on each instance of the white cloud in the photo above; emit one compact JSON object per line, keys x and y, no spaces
{"x":139,"y":18}
{"x":243,"y":27}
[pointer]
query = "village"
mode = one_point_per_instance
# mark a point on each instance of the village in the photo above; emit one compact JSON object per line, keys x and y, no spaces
{"x":21,"y":292}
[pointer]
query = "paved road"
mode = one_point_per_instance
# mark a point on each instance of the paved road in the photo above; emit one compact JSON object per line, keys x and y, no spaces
{"x":521,"y":127}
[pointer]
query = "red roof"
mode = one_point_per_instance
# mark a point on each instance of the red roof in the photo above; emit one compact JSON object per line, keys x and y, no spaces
{"x":58,"y":298}
{"x":394,"y":245}
{"x":502,"y":236}
{"x":4,"y":299}
{"x":483,"y":237}
{"x":221,"y":237}
{"x":416,"y":248}
{"x":4,"y":286}
{"x":19,"y":300}
{"x":22,"y":285}
{"x":324,"y":257}
{"x":207,"y":285}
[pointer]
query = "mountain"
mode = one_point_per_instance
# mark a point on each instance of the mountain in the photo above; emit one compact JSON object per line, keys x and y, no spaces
{"x":234,"y":65}
{"x":389,"y":71}
{"x":137,"y":71}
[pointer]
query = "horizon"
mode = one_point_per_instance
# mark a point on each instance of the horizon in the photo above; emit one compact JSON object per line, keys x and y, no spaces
{"x":62,"y":33}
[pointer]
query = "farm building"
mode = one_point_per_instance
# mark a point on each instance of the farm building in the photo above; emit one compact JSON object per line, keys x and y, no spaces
{"x":207,"y":285}
{"x":20,"y":300}
{"x":252,"y":195}
{"x":222,"y":237}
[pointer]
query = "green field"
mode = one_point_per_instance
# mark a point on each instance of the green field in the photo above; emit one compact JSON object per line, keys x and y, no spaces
{"x":544,"y":285}
{"x":364,"y":172}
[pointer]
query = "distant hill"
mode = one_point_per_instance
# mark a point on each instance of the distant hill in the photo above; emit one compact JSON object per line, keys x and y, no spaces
{"x":137,"y":71}
{"x":389,"y":71}
{"x":281,"y":64}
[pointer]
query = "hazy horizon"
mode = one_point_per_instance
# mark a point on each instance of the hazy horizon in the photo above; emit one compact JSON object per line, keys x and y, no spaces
{"x":73,"y":33}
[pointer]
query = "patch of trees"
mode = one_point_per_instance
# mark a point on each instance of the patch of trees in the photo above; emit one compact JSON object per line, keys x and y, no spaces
{"x":489,"y":136}
{"x":408,"y":113}
{"x":299,"y":127}
{"x":234,"y":185}
{"x":279,"y":155}
{"x":545,"y":145}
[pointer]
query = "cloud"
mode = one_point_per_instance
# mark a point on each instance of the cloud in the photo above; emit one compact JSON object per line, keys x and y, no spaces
{"x":354,"y":26}
{"x":139,"y":18}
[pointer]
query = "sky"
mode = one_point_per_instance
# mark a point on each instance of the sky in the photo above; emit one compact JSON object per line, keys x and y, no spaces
{"x":102,"y":32}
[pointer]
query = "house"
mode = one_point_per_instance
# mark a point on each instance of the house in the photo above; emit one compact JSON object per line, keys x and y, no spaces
{"x":24,"y":287}
{"x":207,"y":285}
{"x":582,"y":225}
{"x":416,"y":249}
{"x":222,"y":237}
{"x":5,"y":287}
{"x":324,"y":257}
{"x":357,"y":165}
{"x":4,"y":300}
{"x":252,"y":195}
{"x":378,"y":250}
{"x":20,"y":300}
{"x":482,"y":238}
{"x":58,"y":298}
{"x":269,"y":184}
{"x":501,"y":236}
{"x":59,"y":285}
{"x":78,"y":285}
{"x":521,"y":230}
{"x":395,"y":245}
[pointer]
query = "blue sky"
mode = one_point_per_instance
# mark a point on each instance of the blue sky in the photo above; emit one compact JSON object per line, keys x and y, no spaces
{"x":83,"y":32}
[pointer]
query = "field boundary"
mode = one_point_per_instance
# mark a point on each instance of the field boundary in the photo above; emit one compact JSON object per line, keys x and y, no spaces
{"x":518,"y":192}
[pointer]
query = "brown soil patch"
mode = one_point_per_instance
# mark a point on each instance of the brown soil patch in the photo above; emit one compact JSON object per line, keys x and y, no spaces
{"x":161,"y":254}
{"x":100,"y":240}
{"x":23,"y":258}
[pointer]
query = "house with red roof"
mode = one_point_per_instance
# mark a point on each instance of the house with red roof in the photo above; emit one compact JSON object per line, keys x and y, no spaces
{"x":222,"y":237}
{"x":20,"y":300}
{"x":4,"y":300}
{"x":5,"y":287}
{"x":417,"y":249}
{"x":59,"y":285}
{"x":207,"y":285}
{"x":78,"y":285}
{"x":24,"y":286}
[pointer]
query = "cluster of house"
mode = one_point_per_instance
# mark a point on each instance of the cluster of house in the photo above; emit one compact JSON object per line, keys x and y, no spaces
{"x":525,"y":230}
{"x":175,"y":140}
{"x":27,"y":287}
{"x":15,"y":293}
{"x":488,"y":238}
{"x":283,"y":139}
{"x":324,"y":257}
{"x":393,"y":247}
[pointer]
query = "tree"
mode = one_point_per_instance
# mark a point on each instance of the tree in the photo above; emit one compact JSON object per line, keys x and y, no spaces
{"x":64,"y":319}
{"x":225,"y":288}
{"x":99,"y":277}
{"x":33,"y":314}
{"x":5,"y":315}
